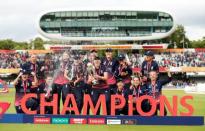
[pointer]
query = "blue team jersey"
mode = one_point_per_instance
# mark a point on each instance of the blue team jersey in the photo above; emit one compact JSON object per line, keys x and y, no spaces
{"x":146,"y":68}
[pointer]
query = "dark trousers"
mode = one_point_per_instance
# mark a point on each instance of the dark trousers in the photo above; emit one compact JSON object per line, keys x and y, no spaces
{"x":158,"y":109}
{"x":112,"y":87}
{"x":148,"y":107}
{"x":78,"y":93}
{"x":41,"y":90}
{"x":145,"y":106}
{"x":87,"y":90}
{"x":123,"y":110}
{"x":95,"y":95}
{"x":57,"y":89}
{"x":31,"y":104}
{"x":19,"y":110}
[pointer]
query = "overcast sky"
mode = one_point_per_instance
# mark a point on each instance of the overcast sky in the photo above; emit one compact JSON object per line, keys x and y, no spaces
{"x":18,"y":18}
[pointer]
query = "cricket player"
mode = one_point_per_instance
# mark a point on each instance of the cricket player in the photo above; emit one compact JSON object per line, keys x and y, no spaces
{"x":98,"y":81}
{"x":111,"y":65}
{"x":155,"y":86}
{"x":23,"y":86}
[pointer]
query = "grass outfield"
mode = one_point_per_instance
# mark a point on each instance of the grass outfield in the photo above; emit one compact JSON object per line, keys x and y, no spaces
{"x":198,"y":103}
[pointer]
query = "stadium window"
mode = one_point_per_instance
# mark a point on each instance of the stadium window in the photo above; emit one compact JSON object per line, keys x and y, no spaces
{"x":57,"y":14}
{"x":74,"y":14}
{"x":134,"y":13}
{"x":52,"y":13}
{"x":51,"y":24}
{"x":166,"y":15}
{"x":117,"y":13}
{"x":85,"y":13}
{"x":63,"y":14}
{"x":112,"y":13}
{"x":68,"y":14}
{"x":95,"y":14}
{"x":123,"y":13}
{"x":79,"y":14}
{"x":58,"y":19}
{"x":155,"y":20}
{"x":47,"y":19}
{"x":58,"y":24}
{"x":46,"y":24}
{"x":112,"y":23}
{"x":107,"y":12}
{"x":160,"y":14}
{"x":105,"y":17}
{"x":90,"y":14}
{"x":101,"y":13}
{"x":129,"y":13}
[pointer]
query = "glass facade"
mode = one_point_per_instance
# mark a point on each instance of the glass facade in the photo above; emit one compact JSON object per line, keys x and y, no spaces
{"x":106,"y":23}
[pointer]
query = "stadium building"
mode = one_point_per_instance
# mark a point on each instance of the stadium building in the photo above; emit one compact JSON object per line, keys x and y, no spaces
{"x":106,"y":25}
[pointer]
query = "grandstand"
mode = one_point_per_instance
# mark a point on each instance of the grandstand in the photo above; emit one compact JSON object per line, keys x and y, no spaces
{"x":106,"y":25}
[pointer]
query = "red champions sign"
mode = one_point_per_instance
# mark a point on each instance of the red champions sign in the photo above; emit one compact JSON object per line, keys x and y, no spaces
{"x":42,"y":120}
{"x":4,"y":106}
{"x":173,"y":109}
{"x":78,"y":121}
{"x":96,"y":121}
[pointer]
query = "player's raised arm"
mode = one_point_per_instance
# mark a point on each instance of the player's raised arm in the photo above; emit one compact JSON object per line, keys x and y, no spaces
{"x":17,"y":78}
{"x":166,"y":81}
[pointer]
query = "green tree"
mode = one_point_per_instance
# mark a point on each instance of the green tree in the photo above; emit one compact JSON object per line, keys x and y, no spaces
{"x":178,"y":38}
{"x":38,"y":43}
{"x":7,"y":44}
{"x":198,"y":43}
{"x":22,"y":46}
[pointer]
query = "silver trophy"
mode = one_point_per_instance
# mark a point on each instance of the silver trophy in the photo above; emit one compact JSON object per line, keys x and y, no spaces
{"x":91,"y":71}
{"x":48,"y":89}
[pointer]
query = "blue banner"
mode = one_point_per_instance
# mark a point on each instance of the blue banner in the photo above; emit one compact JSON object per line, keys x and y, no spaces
{"x":124,"y":120}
